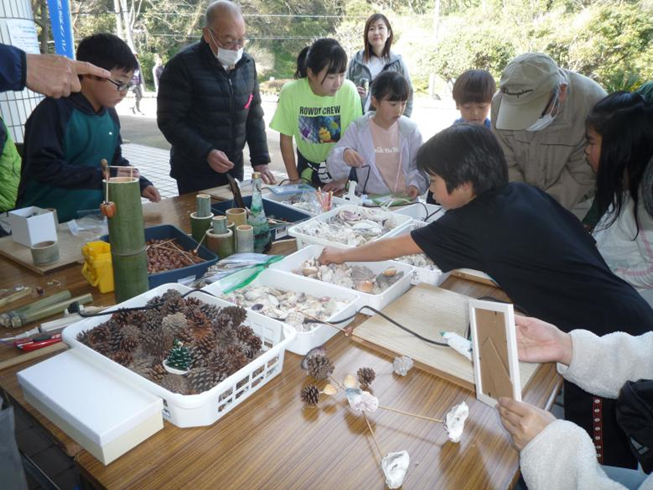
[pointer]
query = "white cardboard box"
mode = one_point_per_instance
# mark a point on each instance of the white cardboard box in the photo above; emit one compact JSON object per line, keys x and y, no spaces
{"x":32,"y":225}
{"x":104,"y":414}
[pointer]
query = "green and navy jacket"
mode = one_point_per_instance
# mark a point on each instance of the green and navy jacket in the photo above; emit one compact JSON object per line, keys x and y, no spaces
{"x":9,"y":170}
{"x":65,"y":140}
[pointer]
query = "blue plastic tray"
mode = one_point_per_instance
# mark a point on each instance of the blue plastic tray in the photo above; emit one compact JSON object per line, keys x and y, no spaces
{"x":272,"y":210}
{"x":165,"y":232}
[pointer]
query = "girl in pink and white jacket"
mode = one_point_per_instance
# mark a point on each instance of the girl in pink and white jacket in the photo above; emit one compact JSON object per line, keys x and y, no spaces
{"x":382,"y":145}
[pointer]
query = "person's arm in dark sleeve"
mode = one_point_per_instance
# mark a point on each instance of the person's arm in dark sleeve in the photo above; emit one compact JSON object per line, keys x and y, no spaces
{"x":257,"y":140}
{"x":13,"y":68}
{"x":44,"y":153}
{"x":173,"y":105}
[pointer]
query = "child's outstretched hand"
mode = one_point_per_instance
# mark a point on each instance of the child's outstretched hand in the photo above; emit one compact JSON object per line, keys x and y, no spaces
{"x":539,"y":341}
{"x":353,"y":158}
{"x":522,"y":421}
{"x":151,"y":193}
{"x":331,"y":255}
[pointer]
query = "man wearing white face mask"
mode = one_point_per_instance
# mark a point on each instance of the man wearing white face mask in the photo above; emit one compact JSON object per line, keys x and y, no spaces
{"x":538,"y":115}
{"x":209,"y":105}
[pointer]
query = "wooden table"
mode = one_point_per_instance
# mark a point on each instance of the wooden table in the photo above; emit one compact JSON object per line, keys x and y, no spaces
{"x":273,"y":442}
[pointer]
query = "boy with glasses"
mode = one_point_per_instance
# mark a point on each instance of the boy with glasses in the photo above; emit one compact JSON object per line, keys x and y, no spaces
{"x":65,"y":139}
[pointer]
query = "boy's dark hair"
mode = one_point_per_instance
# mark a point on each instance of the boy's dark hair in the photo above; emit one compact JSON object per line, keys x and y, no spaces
{"x":465,"y":153}
{"x":390,"y":85}
{"x":107,"y":51}
{"x":625,"y":122}
{"x":368,"y":53}
{"x":474,"y":86}
{"x":322,"y":53}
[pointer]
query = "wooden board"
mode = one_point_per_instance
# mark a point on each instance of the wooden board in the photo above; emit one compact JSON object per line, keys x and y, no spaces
{"x":428,"y":310}
{"x":70,"y":250}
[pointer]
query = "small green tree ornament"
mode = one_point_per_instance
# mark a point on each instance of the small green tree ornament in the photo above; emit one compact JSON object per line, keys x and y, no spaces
{"x":179,"y":357}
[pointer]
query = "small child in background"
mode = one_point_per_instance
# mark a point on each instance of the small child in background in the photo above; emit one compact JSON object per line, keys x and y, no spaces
{"x":473,"y":92}
{"x":65,"y":139}
{"x":382,"y":145}
{"x":316,"y":109}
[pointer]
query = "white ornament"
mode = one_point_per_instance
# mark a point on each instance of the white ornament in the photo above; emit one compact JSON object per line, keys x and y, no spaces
{"x":402,"y":365}
{"x":454,"y":422}
{"x":395,"y":466}
{"x":361,"y":401}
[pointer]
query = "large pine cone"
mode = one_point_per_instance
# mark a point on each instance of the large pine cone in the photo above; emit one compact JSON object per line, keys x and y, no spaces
{"x":153,"y":318}
{"x":129,"y":344}
{"x":121,"y":317}
{"x":152,"y":342}
{"x":310,"y":395}
{"x":98,"y":335}
{"x":175,"y":383}
{"x":141,"y":367}
{"x":172,"y":324}
{"x":172,"y":303}
{"x":252,"y":343}
{"x":115,"y":341}
{"x":226,"y":337}
{"x":201,"y":380}
{"x":320,"y":367}
{"x":236,"y":359}
{"x":157,"y":372}
{"x":132,"y":331}
{"x":123,"y":358}
{"x":365,"y":377}
{"x":237,"y":313}
{"x":206,"y":345}
{"x":211,"y":311}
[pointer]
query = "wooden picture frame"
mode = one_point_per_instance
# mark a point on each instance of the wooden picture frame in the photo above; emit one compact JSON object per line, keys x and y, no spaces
{"x":494,"y":346}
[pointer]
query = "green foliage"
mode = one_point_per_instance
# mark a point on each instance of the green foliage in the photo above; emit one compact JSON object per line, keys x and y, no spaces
{"x":485,"y":47}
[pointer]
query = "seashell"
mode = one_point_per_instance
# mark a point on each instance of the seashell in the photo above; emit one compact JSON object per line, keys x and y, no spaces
{"x":309,"y":271}
{"x":257,"y":307}
{"x":455,"y":421}
{"x":361,"y":401}
{"x":395,"y":466}
{"x":330,"y":390}
{"x":252,"y":294}
{"x":401,"y":365}
{"x":390,"y":272}
{"x":273,"y":301}
{"x":365,"y":286}
{"x":350,"y":381}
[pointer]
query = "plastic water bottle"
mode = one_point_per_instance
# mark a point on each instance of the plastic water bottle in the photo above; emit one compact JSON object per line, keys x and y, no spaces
{"x":257,"y":217}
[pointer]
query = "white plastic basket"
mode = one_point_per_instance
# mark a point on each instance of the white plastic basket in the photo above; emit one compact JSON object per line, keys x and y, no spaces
{"x":304,"y":240}
{"x":320,"y":333}
{"x":420,"y":211}
{"x":378,"y":301}
{"x":284,"y":201}
{"x":205,"y":408}
{"x":426,"y":275}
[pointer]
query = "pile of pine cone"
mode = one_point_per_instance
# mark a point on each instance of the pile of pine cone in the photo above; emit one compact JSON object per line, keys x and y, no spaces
{"x":140,"y":340}
{"x":167,"y":255}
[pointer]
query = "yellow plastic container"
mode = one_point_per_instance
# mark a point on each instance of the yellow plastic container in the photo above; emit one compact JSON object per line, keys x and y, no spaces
{"x":97,"y":269}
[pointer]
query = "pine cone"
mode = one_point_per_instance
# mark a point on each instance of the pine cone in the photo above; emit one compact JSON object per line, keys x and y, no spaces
{"x":103,"y":348}
{"x":320,"y":367}
{"x":115,"y":341}
{"x":152,"y":342}
{"x":129,"y":344}
{"x":237,"y":313}
{"x":217,"y":362}
{"x":365,"y":377}
{"x":236,"y":359}
{"x":226,"y":337}
{"x":138,"y":317}
{"x":205,"y":345}
{"x":141,"y":367}
{"x":172,"y":303}
{"x":310,"y":395}
{"x":153,"y":318}
{"x":198,"y":358}
{"x":123,"y":358}
{"x":197,"y":319}
{"x":211,"y":311}
{"x":201,"y":380}
{"x":98,"y":335}
{"x":157,"y":372}
{"x":175,"y":383}
{"x":83,"y":337}
{"x":252,"y":343}
{"x":174,"y":323}
{"x":121,"y":317}
{"x":132,"y":331}
{"x":193,"y":302}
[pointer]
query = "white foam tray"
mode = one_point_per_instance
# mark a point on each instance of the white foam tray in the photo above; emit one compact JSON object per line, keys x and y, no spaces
{"x":304,"y":240}
{"x":283,"y":200}
{"x":205,"y":408}
{"x":320,"y":333}
{"x":378,"y":301}
{"x":420,"y":211}
{"x":426,"y":275}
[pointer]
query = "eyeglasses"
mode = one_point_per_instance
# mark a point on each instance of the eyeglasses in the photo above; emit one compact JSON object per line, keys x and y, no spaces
{"x":120,"y":86}
{"x":232,"y":45}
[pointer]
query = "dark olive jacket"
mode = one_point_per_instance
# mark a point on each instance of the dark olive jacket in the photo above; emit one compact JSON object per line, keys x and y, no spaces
{"x":202,"y":107}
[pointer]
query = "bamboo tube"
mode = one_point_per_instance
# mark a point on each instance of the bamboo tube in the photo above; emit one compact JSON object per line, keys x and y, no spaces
{"x":127,"y":237}
{"x":219,"y":225}
{"x":15,"y":296}
{"x":203,"y":205}
{"x":6,"y":318}
{"x":20,"y":319}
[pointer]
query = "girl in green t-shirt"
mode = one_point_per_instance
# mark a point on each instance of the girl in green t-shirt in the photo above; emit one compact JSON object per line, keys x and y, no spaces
{"x":316,"y":110}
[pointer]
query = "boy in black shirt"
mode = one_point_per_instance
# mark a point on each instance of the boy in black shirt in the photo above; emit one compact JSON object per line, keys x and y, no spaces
{"x":537,"y":251}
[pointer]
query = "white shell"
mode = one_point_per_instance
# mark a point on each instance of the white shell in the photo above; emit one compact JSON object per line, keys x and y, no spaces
{"x":402,"y":365}
{"x":361,"y":401}
{"x":395,"y":466}
{"x":454,"y":422}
